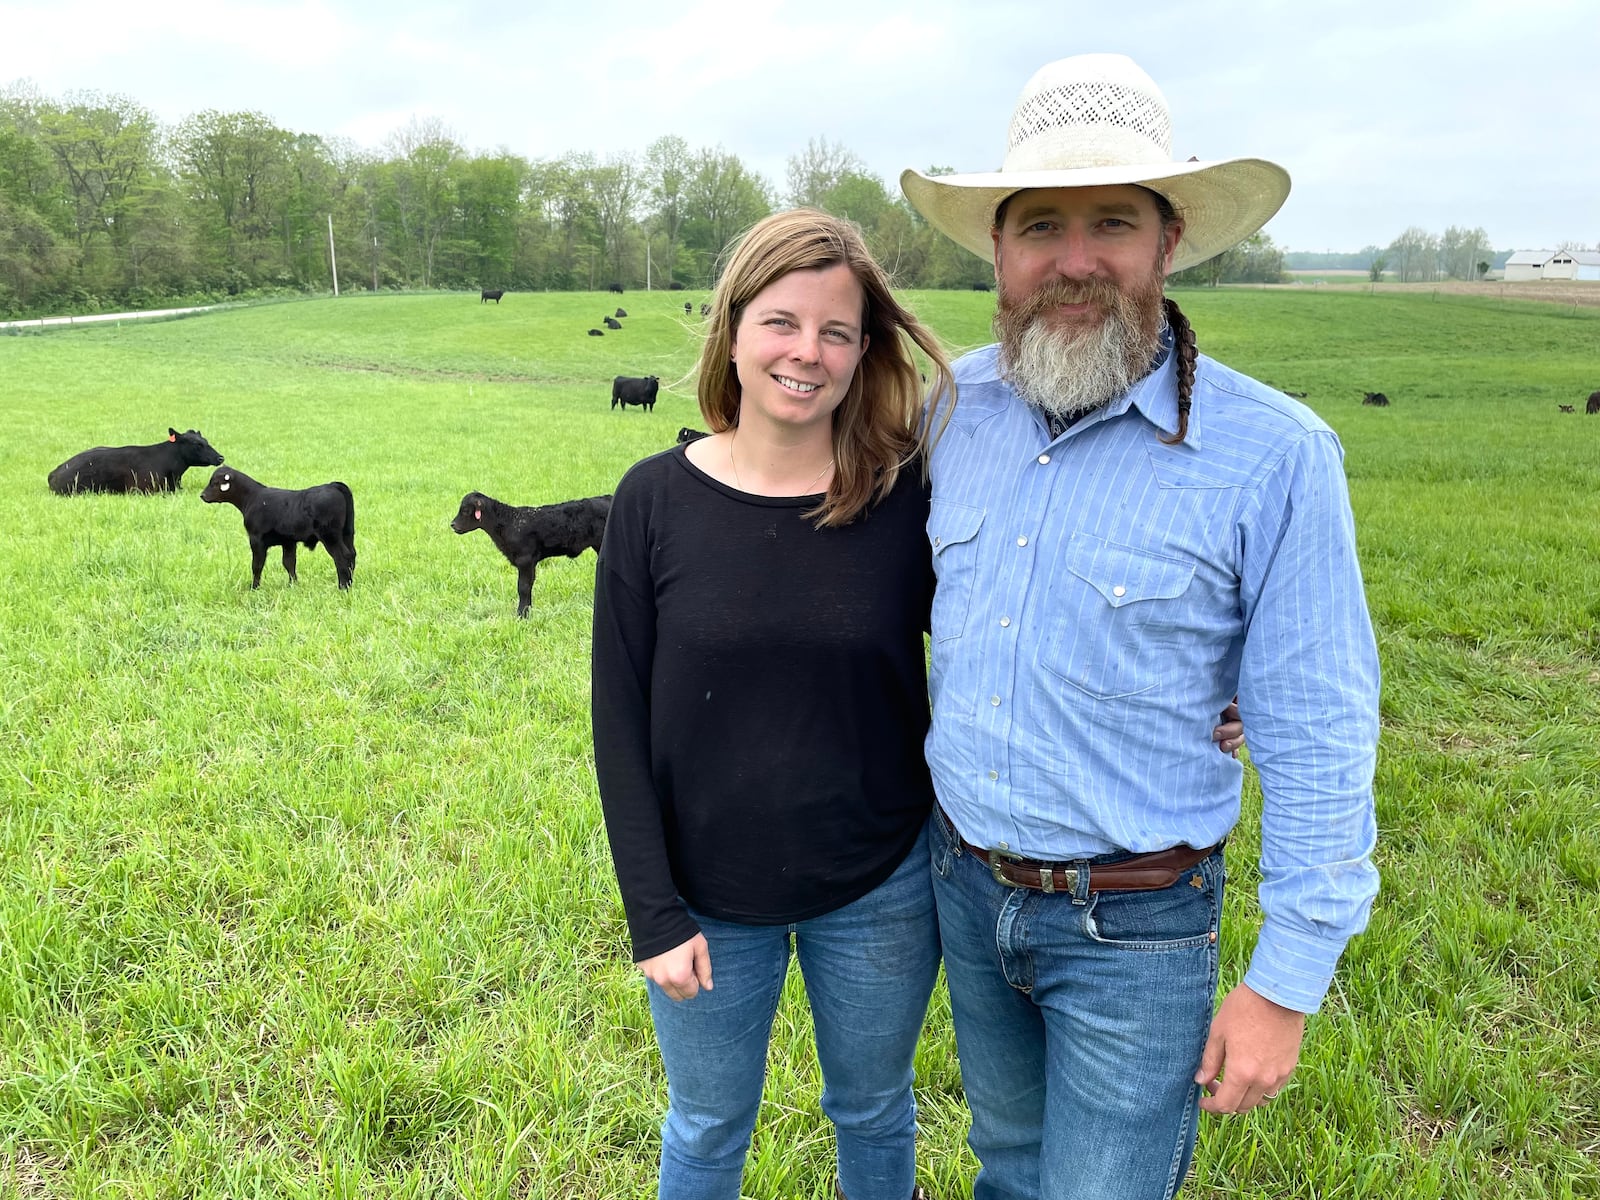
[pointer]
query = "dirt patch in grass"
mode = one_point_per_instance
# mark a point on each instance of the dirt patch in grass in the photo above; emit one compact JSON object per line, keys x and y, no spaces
{"x":1555,"y":291}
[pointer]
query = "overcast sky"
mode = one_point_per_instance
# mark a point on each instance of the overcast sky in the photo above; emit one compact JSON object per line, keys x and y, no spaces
{"x":1386,"y":113}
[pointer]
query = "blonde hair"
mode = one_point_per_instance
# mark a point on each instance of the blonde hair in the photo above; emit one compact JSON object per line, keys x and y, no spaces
{"x":878,"y":427}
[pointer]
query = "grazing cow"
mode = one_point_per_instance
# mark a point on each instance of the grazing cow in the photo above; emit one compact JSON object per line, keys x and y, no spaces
{"x":527,"y":536}
{"x":284,"y":517}
{"x":982,"y":287}
{"x":157,"y":468}
{"x":494,"y":295}
{"x":1594,"y":404}
{"x":597,"y":333}
{"x":626,"y":390}
{"x":620,"y":313}
{"x":705,"y":310}
{"x":612,"y":323}
{"x":1376,"y":399}
{"x":615,"y":287}
{"x":690,"y":435}
{"x":674,"y":286}
{"x":1566,"y":408}
{"x":688,"y":308}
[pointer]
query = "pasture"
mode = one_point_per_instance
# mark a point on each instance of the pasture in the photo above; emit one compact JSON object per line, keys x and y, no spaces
{"x":305,"y":892}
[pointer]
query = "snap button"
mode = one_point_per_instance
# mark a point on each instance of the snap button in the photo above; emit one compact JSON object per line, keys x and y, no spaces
{"x":994,"y":774}
{"x":1022,"y":541}
{"x":1044,"y":460}
{"x":1119,"y":590}
{"x":995,"y":700}
{"x":1005,"y":622}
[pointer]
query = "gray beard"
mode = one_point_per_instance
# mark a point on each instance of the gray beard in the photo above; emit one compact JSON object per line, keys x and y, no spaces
{"x":1067,"y":375}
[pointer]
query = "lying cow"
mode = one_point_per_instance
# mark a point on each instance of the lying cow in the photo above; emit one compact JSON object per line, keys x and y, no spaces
{"x":626,"y":390}
{"x":1377,"y":399}
{"x":284,"y":517}
{"x":157,"y":468}
{"x":1566,"y":408}
{"x":488,"y":294}
{"x":596,"y":333}
{"x":529,"y":535}
{"x":621,"y":313}
{"x":612,"y":323}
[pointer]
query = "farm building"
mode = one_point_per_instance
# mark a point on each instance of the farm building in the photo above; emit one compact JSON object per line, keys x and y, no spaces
{"x":1552,"y":264}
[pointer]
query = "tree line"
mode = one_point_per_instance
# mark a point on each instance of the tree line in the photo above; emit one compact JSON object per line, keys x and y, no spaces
{"x":102,"y":206}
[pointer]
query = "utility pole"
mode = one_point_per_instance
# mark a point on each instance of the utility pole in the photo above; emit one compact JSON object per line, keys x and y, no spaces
{"x":332,"y":257}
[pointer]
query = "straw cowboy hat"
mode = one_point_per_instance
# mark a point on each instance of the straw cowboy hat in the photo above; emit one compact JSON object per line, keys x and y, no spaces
{"x":1097,"y":119}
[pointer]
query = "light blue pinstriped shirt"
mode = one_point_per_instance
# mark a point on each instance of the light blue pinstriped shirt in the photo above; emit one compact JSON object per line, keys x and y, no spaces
{"x":1102,"y":596}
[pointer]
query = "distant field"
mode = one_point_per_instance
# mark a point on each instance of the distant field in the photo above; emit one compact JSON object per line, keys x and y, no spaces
{"x":305,"y":893}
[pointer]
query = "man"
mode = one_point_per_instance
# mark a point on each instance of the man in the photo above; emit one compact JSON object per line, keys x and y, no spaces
{"x":1126,"y":534}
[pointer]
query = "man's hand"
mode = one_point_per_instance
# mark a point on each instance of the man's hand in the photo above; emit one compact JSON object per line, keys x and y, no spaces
{"x":682,"y":971}
{"x":1252,"y":1051}
{"x":1229,"y":735}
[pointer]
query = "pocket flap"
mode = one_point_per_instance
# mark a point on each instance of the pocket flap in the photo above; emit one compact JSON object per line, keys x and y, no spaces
{"x":1123,"y":575}
{"x":950,"y":524}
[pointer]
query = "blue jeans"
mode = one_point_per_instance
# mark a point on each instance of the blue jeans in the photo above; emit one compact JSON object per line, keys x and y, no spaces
{"x":869,"y":969}
{"x":1080,"y":1020}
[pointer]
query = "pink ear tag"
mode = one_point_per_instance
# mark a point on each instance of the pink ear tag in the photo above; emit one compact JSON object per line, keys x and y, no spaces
{"x":477,"y":514}
{"x":172,"y":437}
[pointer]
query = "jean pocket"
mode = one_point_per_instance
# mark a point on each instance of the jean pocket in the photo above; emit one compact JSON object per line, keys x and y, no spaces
{"x":1181,"y":917}
{"x":942,"y":844}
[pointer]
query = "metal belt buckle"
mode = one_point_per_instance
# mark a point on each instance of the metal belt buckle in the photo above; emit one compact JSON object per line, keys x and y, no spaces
{"x":1047,"y":881}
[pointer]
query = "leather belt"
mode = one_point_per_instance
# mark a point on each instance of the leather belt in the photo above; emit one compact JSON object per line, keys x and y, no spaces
{"x":1140,"y":873}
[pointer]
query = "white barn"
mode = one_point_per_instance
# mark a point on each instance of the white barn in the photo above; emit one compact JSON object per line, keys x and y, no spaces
{"x":1527,"y":265}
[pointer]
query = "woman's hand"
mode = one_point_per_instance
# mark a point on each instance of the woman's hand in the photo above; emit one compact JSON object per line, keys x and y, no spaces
{"x":1229,"y":735}
{"x":682,"y":971}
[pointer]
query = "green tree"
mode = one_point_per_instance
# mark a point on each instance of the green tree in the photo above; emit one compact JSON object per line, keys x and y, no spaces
{"x":105,"y":148}
{"x":724,"y":199}
{"x":667,"y":166}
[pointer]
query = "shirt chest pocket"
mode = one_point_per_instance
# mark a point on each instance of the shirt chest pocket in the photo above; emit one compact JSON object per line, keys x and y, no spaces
{"x":1116,"y":617}
{"x":952,"y":536}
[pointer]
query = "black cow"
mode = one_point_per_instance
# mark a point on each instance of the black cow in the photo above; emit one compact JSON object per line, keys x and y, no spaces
{"x":157,"y":468}
{"x":1566,"y":408}
{"x":615,"y":287}
{"x":982,"y":287}
{"x":688,"y":308}
{"x":674,"y":286}
{"x":612,"y":323}
{"x":285,"y":517}
{"x":528,"y":536}
{"x":705,"y":310}
{"x":1376,"y":399}
{"x":494,"y":295}
{"x":1594,"y":404}
{"x":620,"y":313}
{"x":597,"y":333}
{"x":626,"y":390}
{"x":690,"y":435}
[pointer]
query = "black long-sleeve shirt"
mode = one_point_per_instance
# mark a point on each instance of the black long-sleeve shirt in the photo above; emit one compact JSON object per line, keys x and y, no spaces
{"x":760,"y":699}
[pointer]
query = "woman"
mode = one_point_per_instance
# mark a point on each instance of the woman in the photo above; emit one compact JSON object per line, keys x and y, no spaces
{"x":760,"y":705}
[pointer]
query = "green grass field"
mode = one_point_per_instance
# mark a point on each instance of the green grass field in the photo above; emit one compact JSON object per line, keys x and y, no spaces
{"x":305,"y":893}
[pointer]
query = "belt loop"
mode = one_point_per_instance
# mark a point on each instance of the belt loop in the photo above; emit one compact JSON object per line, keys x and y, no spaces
{"x":1080,"y":894}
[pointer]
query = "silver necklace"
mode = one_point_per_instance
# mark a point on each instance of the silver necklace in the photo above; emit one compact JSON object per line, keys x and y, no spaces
{"x":735,"y":436}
